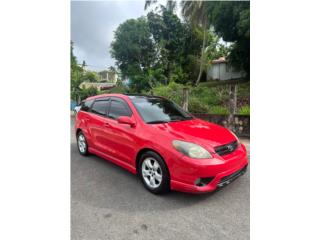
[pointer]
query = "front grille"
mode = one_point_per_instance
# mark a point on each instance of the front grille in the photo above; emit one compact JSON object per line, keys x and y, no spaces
{"x":227,"y":148}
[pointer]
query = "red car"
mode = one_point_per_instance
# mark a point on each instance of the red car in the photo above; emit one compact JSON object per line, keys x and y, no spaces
{"x":164,"y":145}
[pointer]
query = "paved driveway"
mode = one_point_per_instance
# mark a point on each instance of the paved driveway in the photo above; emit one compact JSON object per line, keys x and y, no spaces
{"x":108,"y":202}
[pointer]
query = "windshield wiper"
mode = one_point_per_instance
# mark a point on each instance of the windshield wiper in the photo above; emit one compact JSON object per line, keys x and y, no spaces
{"x":181,"y":119}
{"x":157,"y":121}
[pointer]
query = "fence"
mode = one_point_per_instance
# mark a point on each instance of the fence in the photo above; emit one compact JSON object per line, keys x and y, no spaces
{"x":241,"y":123}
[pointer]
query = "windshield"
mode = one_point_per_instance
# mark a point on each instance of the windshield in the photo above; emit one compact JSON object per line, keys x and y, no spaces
{"x":159,"y":110}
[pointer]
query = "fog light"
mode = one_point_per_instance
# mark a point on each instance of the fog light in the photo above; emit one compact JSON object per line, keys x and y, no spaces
{"x":198,"y":181}
{"x":201,"y":182}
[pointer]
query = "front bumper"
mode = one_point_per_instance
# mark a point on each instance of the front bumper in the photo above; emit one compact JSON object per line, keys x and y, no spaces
{"x":224,"y":170}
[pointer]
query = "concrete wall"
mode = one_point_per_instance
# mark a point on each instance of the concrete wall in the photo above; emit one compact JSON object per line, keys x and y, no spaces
{"x":242,"y":123}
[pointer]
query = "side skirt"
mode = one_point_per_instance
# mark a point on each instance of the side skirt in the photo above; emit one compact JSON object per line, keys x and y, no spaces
{"x":114,"y":160}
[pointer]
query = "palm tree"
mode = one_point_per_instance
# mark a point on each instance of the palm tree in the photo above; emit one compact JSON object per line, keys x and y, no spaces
{"x":195,"y":12}
{"x":148,"y":3}
{"x":171,"y":4}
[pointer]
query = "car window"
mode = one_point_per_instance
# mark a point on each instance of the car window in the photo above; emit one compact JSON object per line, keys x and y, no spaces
{"x":85,"y":106}
{"x":100,"y":107}
{"x":118,"y":109}
{"x":159,"y":110}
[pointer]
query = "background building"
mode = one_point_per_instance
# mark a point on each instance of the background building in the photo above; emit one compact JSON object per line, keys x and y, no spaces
{"x":220,"y":69}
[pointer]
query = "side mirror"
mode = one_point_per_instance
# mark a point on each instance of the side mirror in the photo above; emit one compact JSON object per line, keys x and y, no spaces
{"x":126,"y":120}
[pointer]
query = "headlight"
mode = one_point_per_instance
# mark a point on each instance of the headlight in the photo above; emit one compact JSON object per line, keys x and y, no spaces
{"x":190,"y":149}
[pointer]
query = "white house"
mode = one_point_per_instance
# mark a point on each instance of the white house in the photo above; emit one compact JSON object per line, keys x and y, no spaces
{"x":98,"y":85}
{"x":108,"y":76}
{"x":107,"y":80}
{"x":220,"y":69}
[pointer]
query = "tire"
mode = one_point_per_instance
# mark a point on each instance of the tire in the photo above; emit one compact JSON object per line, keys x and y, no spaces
{"x":154,"y":173}
{"x":82,"y":144}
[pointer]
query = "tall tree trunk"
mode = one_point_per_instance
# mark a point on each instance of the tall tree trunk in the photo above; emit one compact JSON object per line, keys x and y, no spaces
{"x":204,"y":43}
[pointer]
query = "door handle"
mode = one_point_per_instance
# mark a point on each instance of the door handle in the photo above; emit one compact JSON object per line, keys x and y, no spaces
{"x":106,"y":124}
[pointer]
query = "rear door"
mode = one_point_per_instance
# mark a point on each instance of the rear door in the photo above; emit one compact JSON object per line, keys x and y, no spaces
{"x":83,"y":119}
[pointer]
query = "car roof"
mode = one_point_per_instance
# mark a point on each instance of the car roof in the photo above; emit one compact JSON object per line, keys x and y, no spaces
{"x":105,"y":95}
{"x":127,"y":95}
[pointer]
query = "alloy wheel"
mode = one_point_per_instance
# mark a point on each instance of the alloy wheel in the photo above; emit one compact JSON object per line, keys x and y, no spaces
{"x":151,"y":172}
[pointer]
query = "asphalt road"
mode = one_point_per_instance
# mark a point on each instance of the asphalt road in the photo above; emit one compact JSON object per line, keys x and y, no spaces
{"x":107,"y":202}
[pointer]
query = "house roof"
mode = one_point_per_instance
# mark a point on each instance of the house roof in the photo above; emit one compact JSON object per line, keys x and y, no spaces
{"x":219,"y":60}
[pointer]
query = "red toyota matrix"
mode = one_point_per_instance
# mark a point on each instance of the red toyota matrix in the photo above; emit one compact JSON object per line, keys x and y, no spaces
{"x":164,"y":145}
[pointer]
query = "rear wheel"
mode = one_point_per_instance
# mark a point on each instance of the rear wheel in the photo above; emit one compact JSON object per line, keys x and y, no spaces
{"x":82,"y":144}
{"x":154,"y":173}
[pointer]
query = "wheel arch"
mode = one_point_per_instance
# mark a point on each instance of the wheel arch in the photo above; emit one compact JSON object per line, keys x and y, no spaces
{"x":78,"y":130}
{"x":144,"y":150}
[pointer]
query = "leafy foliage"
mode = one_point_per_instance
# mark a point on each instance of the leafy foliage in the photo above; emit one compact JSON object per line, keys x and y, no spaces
{"x":244,"y":110}
{"x":157,"y":50}
{"x":75,"y":74}
{"x":78,"y":75}
{"x":231,"y":21}
{"x":88,"y":92}
{"x":90,"y":76}
{"x":197,"y":106}
{"x":221,"y":110}
{"x":171,"y":91}
{"x":202,"y":99}
{"x":134,"y":51}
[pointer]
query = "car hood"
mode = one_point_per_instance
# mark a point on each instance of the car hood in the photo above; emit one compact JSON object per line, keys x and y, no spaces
{"x":197,"y":131}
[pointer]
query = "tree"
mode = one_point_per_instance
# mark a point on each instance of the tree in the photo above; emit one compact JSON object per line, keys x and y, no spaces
{"x":88,"y":92}
{"x":75,"y":74}
{"x":231,"y":21}
{"x":195,"y":13}
{"x":134,"y":51}
{"x":171,"y":5}
{"x":215,"y":48}
{"x":90,"y":76}
{"x":191,"y":54}
{"x":168,"y":34}
{"x":112,"y":69}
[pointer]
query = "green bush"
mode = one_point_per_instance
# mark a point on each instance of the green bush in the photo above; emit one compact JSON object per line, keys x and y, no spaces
{"x":202,"y":99}
{"x":117,"y":89}
{"x":221,"y":110}
{"x":172,"y":91}
{"x":208,"y":96}
{"x":196,"y":106}
{"x":244,"y":110}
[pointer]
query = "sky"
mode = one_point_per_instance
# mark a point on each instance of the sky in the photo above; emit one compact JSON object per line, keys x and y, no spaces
{"x":92,"y":27}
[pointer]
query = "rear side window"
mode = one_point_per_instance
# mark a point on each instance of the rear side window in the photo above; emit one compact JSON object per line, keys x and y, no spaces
{"x":118,"y":109}
{"x":100,"y":107}
{"x":85,"y":106}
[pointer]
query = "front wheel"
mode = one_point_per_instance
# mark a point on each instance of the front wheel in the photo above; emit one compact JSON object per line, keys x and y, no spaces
{"x":154,"y":173}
